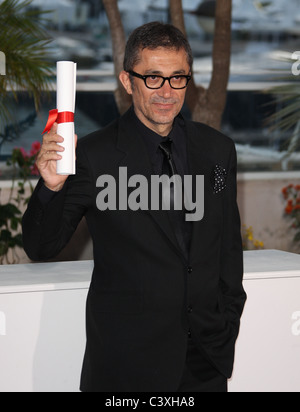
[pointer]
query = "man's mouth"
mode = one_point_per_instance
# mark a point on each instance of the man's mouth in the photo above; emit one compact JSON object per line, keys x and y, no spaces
{"x":164,"y":106}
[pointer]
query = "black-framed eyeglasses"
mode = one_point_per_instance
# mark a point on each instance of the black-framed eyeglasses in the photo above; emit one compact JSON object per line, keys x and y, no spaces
{"x":154,"y":82}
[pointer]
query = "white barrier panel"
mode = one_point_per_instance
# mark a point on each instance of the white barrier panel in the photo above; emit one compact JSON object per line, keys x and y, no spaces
{"x":42,"y":325}
{"x":268,"y":348}
{"x":44,"y":341}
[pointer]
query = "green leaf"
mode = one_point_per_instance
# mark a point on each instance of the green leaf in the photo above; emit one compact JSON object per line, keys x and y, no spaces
{"x":15,"y":223}
{"x":5,"y":236}
{"x":19,"y":240}
{"x":9,"y":211}
{"x":3,"y":249}
{"x":24,"y":41}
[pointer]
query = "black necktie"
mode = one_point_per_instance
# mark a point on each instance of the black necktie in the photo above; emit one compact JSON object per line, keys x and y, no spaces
{"x":169,"y":167}
{"x":177,"y":217}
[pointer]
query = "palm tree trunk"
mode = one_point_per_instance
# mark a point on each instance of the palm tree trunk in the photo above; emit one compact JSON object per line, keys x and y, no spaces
{"x":123,"y":100}
{"x":207,"y":106}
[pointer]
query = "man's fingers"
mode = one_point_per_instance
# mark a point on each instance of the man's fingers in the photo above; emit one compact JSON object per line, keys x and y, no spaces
{"x":47,"y":157}
{"x":52,"y":136}
{"x":52,"y":147}
{"x":49,"y":150}
{"x":54,"y":128}
{"x":52,"y":156}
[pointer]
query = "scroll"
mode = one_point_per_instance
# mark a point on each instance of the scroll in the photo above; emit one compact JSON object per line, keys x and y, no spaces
{"x":64,"y":116}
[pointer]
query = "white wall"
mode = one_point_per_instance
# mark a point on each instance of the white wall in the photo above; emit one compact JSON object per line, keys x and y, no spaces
{"x":42,"y":325}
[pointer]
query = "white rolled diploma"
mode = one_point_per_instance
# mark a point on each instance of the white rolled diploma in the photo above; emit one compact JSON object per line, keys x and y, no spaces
{"x":66,"y":95}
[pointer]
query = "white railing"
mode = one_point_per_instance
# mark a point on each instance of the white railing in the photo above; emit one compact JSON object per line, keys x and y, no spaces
{"x":42,"y":325}
{"x":97,"y":80}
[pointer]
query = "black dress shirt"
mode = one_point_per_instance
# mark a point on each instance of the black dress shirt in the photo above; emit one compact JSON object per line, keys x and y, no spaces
{"x":182,"y":228}
{"x":179,"y":146}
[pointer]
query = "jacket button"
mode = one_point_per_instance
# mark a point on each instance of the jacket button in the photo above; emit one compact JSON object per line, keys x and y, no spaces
{"x":190,"y":269}
{"x":190,"y":309}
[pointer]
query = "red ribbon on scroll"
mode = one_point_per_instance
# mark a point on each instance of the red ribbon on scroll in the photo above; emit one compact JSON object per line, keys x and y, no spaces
{"x":54,"y":116}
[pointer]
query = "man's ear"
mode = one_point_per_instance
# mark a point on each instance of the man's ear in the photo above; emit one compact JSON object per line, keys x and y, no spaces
{"x":126,"y":81}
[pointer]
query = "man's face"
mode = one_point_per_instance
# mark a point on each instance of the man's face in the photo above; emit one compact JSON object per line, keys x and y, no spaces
{"x":157,"y":109}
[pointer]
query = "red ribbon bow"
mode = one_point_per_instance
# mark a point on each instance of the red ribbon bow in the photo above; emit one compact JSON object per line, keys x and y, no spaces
{"x":54,"y":116}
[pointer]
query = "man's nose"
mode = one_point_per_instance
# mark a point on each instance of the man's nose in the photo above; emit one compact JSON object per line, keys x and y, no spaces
{"x":166,"y":90}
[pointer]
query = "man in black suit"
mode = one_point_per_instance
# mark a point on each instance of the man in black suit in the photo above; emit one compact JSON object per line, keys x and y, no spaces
{"x":166,"y":297}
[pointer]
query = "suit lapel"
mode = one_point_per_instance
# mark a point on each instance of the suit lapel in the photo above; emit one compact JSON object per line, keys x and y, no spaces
{"x":199,"y":164}
{"x":136,"y":160}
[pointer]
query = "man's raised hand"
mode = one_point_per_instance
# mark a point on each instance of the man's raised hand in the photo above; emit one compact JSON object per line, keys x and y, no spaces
{"x":47,"y":159}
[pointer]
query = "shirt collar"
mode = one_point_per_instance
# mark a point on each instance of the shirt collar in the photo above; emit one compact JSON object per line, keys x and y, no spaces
{"x":153,"y":139}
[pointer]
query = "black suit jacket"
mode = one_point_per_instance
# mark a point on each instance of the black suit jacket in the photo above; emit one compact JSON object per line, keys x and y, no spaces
{"x":145,"y":296}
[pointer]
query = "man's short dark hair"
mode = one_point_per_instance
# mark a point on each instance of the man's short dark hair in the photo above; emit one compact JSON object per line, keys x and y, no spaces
{"x":152,"y":36}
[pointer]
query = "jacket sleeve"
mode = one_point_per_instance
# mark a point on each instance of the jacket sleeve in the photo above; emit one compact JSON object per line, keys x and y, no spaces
{"x":49,"y":225}
{"x":232,"y":270}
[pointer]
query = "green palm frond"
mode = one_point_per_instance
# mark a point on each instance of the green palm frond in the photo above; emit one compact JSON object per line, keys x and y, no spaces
{"x":288,"y":97}
{"x":287,"y":119}
{"x":24,"y":42}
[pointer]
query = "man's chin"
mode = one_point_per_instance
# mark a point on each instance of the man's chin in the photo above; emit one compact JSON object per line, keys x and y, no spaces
{"x":164,"y":117}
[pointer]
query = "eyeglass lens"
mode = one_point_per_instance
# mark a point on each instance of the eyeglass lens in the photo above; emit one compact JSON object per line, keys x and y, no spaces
{"x":176,"y":82}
